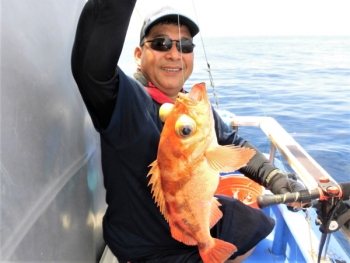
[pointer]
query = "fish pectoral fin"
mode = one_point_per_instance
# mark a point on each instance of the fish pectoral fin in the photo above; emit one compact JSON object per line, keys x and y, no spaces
{"x":178,"y":234}
{"x":228,"y":157}
{"x":157,"y":189}
{"x":215,"y":213}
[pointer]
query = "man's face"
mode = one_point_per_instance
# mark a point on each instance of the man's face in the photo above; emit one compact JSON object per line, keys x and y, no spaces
{"x":167,"y":70}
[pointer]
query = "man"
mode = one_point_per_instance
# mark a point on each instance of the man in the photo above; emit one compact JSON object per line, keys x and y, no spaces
{"x":124,"y":111}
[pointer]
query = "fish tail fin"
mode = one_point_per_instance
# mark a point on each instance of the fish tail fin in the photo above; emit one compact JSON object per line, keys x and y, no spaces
{"x":219,"y":252}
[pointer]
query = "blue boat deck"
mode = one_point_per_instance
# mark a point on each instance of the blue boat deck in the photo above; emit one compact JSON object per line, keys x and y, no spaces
{"x":263,"y":252}
{"x":293,"y":240}
{"x":279,"y":246}
{"x":296,"y":239}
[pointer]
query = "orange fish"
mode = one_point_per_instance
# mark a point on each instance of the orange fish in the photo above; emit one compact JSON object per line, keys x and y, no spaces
{"x":186,"y":174}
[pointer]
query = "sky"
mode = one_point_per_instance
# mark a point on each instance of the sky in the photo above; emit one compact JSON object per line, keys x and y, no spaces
{"x":255,"y":17}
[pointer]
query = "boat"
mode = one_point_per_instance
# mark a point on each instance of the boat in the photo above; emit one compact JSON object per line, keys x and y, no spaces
{"x":52,"y":193}
{"x":297,"y":235}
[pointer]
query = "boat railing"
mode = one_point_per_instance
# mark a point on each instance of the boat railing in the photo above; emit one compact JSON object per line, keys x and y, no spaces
{"x":306,"y":168}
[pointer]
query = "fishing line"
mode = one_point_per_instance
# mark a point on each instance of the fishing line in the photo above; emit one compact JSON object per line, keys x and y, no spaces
{"x":267,"y":140}
{"x":263,"y":109}
{"x":213,"y":86}
{"x":182,"y":62}
{"x":216,"y":100}
{"x":138,"y":13}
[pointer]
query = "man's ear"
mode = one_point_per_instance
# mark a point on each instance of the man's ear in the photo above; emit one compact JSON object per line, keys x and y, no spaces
{"x":137,"y":56}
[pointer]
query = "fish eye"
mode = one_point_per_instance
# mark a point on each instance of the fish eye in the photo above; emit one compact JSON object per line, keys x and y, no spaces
{"x":185,"y":127}
{"x":185,"y":130}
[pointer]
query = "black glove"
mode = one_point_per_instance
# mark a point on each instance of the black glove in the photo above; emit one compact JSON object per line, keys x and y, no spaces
{"x":281,"y":184}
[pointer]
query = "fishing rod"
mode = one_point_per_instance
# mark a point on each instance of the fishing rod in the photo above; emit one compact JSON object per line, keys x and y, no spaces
{"x":332,"y":211}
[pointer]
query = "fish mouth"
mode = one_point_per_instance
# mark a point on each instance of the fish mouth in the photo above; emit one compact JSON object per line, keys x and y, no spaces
{"x":198,"y":92}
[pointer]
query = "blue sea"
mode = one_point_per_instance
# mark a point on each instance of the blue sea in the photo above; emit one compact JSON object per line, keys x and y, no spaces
{"x":302,"y":82}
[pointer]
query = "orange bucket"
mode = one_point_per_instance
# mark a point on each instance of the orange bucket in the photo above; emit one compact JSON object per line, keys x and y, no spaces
{"x":241,"y":188}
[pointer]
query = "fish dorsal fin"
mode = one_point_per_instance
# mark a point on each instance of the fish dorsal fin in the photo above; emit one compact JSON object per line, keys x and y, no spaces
{"x":157,"y":189}
{"x":215,"y":213}
{"x":228,"y":157}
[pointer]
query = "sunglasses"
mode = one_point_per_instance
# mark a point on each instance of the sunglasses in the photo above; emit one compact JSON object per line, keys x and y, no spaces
{"x":183,"y":45}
